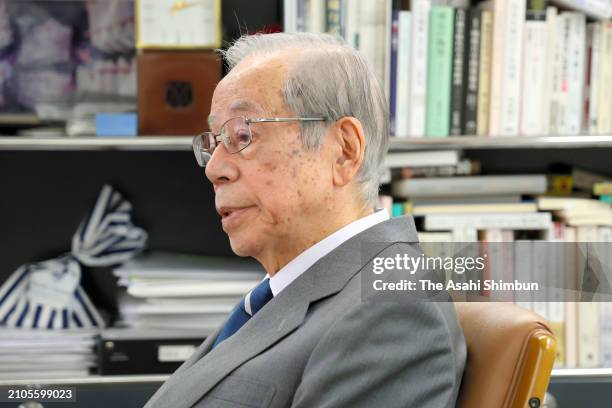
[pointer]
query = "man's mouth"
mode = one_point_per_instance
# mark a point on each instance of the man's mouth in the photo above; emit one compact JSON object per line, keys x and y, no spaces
{"x":230,"y":216}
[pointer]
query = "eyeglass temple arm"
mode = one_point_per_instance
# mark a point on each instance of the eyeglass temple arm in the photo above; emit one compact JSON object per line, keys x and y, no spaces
{"x":285,"y":120}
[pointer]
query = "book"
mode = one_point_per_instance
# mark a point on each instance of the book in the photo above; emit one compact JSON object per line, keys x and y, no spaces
{"x":534,"y":73}
{"x":463,"y":168}
{"x":555,"y":291}
{"x":393,"y":73}
{"x":484,"y":72}
{"x":599,"y":9}
{"x":586,"y":94}
{"x":373,"y":36}
{"x":418,"y":66}
{"x":593,"y":76}
{"x":551,"y":68}
{"x":509,"y":16}
{"x":439,"y":71}
{"x":602,"y":188}
{"x":468,"y":199}
{"x":512,"y":69}
{"x":510,"y":221}
{"x":425,"y":158}
{"x":473,"y":185}
{"x":548,"y":203}
{"x":587,"y":310}
{"x":523,"y":271}
{"x":402,"y":91}
{"x":470,"y":117}
{"x":474,"y":208}
{"x":604,"y":116}
{"x":571,"y":118}
{"x":333,"y":17}
{"x":558,"y":83}
{"x":585,"y":180}
{"x":458,"y":86}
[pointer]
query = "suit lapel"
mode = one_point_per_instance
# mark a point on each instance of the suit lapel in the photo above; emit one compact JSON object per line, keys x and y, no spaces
{"x":275,"y":320}
{"x":283,"y":314}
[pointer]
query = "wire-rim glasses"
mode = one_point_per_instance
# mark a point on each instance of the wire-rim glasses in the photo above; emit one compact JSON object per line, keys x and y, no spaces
{"x":235,"y":134}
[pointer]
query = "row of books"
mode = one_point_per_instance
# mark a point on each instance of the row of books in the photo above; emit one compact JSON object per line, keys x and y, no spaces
{"x":500,"y":68}
{"x":561,"y":266}
{"x":529,"y":225}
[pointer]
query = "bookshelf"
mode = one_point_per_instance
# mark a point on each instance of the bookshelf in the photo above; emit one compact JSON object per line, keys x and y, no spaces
{"x":50,"y":181}
{"x":178,"y":143}
{"x":159,"y":378}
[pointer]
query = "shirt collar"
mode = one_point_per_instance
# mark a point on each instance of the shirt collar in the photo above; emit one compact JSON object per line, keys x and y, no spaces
{"x":306,"y":259}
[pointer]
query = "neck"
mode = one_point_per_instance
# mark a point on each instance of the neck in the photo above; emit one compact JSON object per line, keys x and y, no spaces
{"x":315,"y":231}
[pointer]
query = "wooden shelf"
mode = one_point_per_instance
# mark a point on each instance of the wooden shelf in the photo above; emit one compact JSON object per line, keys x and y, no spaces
{"x":521,"y":142}
{"x":152,"y":378}
{"x":174,"y":143}
{"x":582,"y":373}
{"x":169,"y":143}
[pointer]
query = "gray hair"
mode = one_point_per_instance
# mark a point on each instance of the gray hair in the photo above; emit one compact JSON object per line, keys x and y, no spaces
{"x":332,"y":80}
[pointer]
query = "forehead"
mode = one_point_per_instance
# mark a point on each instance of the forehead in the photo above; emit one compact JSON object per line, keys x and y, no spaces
{"x":252,"y":87}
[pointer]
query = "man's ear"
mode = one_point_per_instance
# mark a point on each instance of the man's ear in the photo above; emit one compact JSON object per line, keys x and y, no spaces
{"x":350,"y":150}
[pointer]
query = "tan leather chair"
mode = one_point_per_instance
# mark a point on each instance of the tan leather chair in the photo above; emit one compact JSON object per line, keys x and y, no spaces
{"x":511,"y":352}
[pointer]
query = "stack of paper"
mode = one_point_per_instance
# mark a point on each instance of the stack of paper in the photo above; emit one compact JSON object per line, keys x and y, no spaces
{"x":44,"y":354}
{"x":173,"y":291}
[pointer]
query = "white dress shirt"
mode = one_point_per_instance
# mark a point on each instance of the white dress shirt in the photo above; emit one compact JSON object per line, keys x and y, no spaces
{"x":306,"y":259}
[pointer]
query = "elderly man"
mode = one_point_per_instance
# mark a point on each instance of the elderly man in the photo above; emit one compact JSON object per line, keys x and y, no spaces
{"x":299,"y":135}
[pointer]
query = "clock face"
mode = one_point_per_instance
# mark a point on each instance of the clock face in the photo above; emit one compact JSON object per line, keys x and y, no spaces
{"x":178,"y":23}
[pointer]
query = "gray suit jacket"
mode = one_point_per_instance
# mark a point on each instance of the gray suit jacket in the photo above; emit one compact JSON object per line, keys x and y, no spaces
{"x":319,"y":344}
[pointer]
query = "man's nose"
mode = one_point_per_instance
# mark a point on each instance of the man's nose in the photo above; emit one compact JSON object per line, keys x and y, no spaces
{"x":221,"y":167}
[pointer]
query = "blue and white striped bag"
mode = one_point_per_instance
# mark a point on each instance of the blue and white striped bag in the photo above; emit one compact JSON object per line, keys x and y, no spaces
{"x":47,"y":294}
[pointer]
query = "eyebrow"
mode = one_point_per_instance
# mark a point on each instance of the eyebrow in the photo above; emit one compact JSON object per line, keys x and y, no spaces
{"x":238,"y":105}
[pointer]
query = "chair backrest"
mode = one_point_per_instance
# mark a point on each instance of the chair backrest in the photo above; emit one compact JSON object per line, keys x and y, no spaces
{"x":510,"y":356}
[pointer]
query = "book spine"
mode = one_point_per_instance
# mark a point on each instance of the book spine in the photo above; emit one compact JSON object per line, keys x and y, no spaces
{"x":478,"y":185}
{"x":605,"y":328}
{"x":393,"y":71}
{"x":463,"y":168}
{"x":556,"y":293}
{"x":588,"y":334}
{"x":512,"y":221}
{"x":586,"y":96}
{"x":290,"y":15}
{"x":484,"y":72}
{"x":571,"y":334}
{"x":468,"y":127}
{"x":333,"y":17}
{"x":523,"y":271}
{"x":551,"y":53}
{"x":538,"y":262}
{"x":595,"y":64}
{"x":385,"y":42}
{"x":604,"y":123}
{"x":511,"y":74}
{"x":439,"y":71}
{"x":559,"y":88}
{"x":497,"y":68}
{"x":599,"y":9}
{"x":534,"y":71}
{"x":317,"y":16}
{"x":402,"y":93}
{"x":418,"y":67}
{"x":373,"y":36}
{"x":458,"y":84}
{"x":576,"y":69}
{"x":351,"y":22}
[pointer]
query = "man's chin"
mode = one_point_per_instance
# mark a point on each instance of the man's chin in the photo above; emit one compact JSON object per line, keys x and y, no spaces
{"x":241,"y":248}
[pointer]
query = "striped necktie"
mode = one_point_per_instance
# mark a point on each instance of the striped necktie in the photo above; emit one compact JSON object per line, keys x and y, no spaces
{"x":248,"y":306}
